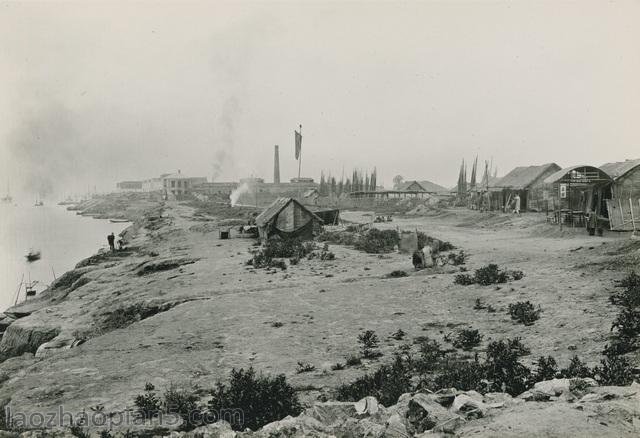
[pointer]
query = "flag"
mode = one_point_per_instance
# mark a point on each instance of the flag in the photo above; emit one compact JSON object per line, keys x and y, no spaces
{"x":298,"y":144}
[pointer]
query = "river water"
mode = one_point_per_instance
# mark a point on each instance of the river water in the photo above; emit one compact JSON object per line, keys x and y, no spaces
{"x":62,"y":237}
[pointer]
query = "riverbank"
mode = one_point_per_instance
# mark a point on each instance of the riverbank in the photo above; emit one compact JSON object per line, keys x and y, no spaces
{"x":181,"y":306}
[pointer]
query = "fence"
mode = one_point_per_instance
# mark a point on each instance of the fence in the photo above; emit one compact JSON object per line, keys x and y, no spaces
{"x":624,"y":214}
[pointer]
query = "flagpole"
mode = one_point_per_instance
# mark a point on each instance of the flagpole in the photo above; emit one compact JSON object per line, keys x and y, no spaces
{"x":300,"y":154}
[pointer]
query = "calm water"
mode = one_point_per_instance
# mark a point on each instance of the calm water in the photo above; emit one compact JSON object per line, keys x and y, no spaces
{"x":62,"y":237}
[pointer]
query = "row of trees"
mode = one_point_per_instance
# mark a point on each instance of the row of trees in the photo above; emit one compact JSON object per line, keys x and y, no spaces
{"x":359,"y":181}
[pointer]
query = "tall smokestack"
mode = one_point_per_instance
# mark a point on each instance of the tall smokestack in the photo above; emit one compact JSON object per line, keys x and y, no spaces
{"x":276,"y":165}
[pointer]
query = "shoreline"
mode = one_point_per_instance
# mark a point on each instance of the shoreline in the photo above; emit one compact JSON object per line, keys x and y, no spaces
{"x":181,"y":306}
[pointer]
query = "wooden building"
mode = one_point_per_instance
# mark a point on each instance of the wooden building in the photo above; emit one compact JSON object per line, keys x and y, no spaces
{"x":525,"y":181}
{"x":577,"y":191}
{"x":624,"y":207}
{"x":286,"y":217}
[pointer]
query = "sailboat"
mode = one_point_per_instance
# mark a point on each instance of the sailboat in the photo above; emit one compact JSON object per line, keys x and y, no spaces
{"x":39,"y":202}
{"x":7,"y":199}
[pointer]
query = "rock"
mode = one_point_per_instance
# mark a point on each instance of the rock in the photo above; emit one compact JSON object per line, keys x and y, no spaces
{"x":534,"y":396}
{"x":395,"y":427}
{"x":449,"y":426}
{"x":424,"y":413}
{"x":289,"y":427}
{"x":446,"y":396}
{"x":360,"y":428}
{"x":468,"y":406}
{"x":555,"y":387}
{"x":330,"y":413}
{"x":368,"y":406}
{"x":220,"y":429}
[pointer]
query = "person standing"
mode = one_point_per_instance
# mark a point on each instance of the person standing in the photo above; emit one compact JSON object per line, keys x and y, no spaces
{"x":516,"y":205}
{"x":111,"y":238}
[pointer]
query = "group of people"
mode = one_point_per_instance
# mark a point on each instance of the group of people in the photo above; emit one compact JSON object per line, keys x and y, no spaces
{"x":111,"y":239}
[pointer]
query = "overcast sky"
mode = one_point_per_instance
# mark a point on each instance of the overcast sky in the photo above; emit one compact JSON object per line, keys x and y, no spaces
{"x":92,"y":93}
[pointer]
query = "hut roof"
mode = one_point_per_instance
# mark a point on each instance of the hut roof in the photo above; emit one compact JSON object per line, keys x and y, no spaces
{"x":620,"y":168}
{"x":592,"y":174}
{"x":523,"y":176}
{"x":276,"y":207}
{"x":426,"y":186}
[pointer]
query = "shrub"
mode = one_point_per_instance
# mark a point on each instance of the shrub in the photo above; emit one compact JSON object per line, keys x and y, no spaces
{"x":338,"y":366}
{"x":353,"y":361}
{"x":578,"y":385}
{"x":397,"y":274}
{"x":504,"y":371}
{"x":462,"y":375}
{"x":184,"y":403}
{"x":614,"y":370}
{"x":457,"y":259}
{"x":148,"y":404}
{"x":547,"y":368}
{"x":464,"y":279}
{"x":630,"y":296}
{"x":627,"y":323}
{"x":516,"y":275}
{"x":429,"y":358}
{"x":305,"y":367}
{"x":490,"y":274}
{"x":436,"y":244}
{"x":576,"y":369}
{"x":261,"y":399}
{"x":386,"y":384}
{"x":346,"y":237}
{"x":399,"y":335}
{"x":368,"y":341}
{"x":376,"y":241}
{"x":479,"y":305}
{"x":276,"y":248}
{"x":524,"y":312}
{"x":467,"y":339}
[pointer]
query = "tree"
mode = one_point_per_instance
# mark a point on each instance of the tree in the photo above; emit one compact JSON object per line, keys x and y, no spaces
{"x":397,"y":180}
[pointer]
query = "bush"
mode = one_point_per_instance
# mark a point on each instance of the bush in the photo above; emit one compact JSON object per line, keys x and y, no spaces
{"x":376,"y":241}
{"x":353,"y":361}
{"x":305,"y":367}
{"x":464,"y":279}
{"x":184,"y":403}
{"x":576,"y":369}
{"x":547,"y":368}
{"x":399,"y":335}
{"x":436,"y":244}
{"x":467,"y":339}
{"x":614,"y":370}
{"x":368,"y":341}
{"x":397,"y":274}
{"x":504,"y":371}
{"x":278,"y":248}
{"x":338,"y":366}
{"x":148,"y":404}
{"x":457,"y":259}
{"x":524,"y":312}
{"x":386,"y":384}
{"x":261,"y":399}
{"x":430,"y":356}
{"x":627,"y":323}
{"x":339,"y":237}
{"x":462,"y":375}
{"x":490,"y":274}
{"x":630,"y":296}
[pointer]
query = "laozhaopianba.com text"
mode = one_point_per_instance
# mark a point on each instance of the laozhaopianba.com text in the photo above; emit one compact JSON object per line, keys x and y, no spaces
{"x":97,"y":418}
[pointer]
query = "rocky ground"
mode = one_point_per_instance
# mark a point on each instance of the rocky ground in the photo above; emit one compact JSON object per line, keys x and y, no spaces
{"x":179,"y":305}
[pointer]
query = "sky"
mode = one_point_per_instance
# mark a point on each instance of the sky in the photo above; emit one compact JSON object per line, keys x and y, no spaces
{"x":92,"y":93}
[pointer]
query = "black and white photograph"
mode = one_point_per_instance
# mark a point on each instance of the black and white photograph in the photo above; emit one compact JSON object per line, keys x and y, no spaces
{"x":319,"y":218}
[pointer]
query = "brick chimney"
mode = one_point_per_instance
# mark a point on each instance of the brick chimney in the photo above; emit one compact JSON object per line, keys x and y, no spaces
{"x":276,"y":165}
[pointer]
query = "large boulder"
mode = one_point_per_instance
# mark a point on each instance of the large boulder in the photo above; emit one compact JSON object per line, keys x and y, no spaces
{"x":298,"y":427}
{"x":469,"y":406}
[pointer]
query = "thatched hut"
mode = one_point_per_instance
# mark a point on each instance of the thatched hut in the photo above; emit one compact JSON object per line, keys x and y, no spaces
{"x":287,"y":217}
{"x":525,"y":181}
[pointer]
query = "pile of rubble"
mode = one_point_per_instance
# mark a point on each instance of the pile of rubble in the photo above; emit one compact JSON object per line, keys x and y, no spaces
{"x":559,"y":407}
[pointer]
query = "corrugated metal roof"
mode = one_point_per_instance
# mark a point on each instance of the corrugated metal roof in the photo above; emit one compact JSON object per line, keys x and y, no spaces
{"x":276,"y":207}
{"x":523,"y":176}
{"x":620,"y":168}
{"x":555,"y":177}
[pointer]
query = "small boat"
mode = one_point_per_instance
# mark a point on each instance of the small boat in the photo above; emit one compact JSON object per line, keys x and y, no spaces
{"x":33,"y":256}
{"x":119,"y":221}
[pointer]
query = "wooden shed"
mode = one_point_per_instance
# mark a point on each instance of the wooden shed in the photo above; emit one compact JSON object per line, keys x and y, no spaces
{"x":287,"y":217}
{"x":525,"y":181}
{"x":624,"y":207}
{"x":577,"y":191}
